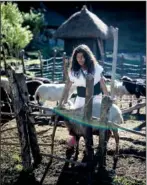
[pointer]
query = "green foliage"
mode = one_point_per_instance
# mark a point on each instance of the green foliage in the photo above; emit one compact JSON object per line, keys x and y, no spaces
{"x":18,"y":167}
{"x":11,"y":13}
{"x":35,"y":20}
{"x":16,"y":157}
{"x":127,"y":181}
{"x":16,"y":35}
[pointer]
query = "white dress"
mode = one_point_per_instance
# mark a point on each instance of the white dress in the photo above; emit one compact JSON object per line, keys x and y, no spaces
{"x":81,"y":81}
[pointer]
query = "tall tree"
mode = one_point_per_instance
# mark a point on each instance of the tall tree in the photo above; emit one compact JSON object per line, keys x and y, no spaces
{"x":35,"y":20}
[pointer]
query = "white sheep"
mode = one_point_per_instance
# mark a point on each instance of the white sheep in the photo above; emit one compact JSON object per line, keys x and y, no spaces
{"x":120,"y":90}
{"x":51,"y":92}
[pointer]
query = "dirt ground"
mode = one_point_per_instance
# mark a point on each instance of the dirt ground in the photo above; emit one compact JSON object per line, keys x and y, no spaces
{"x":130,"y":170}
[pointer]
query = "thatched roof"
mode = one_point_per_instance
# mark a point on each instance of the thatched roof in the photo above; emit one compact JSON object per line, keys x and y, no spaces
{"x":83,"y":24}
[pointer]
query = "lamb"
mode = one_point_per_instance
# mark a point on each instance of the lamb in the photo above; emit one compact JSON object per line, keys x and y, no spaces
{"x":119,"y":90}
{"x":78,"y":130}
{"x":51,"y":92}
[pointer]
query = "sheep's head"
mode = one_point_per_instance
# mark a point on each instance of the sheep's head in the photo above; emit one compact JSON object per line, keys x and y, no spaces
{"x":105,"y":106}
{"x":126,"y":78}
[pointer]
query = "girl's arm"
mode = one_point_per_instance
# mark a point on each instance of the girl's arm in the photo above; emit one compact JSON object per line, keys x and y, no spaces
{"x":65,"y":93}
{"x":103,"y":86}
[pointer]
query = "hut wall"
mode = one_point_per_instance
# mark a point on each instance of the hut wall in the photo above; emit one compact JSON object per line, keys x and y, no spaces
{"x":70,"y":44}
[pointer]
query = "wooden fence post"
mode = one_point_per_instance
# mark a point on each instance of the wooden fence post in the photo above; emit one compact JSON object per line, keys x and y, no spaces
{"x":122,"y":59}
{"x":2,"y":54}
{"x":22,"y":61}
{"x":54,"y":61}
{"x":105,"y":106}
{"x":64,"y":67}
{"x":141,"y":65}
{"x":115,"y":48}
{"x":88,"y":117}
{"x":41,"y":64}
{"x":26,"y":129}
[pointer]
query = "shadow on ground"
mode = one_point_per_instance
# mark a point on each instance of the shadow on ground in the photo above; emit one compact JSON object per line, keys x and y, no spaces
{"x":139,"y":117}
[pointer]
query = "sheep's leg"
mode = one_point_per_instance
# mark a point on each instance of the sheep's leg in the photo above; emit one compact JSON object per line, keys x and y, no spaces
{"x":120,"y":101}
{"x":138,"y":101}
{"x":130,"y":104}
{"x":115,"y":158}
{"x":77,"y":149}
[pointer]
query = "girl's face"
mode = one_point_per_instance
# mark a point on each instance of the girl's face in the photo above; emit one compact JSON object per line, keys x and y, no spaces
{"x":80,"y":58}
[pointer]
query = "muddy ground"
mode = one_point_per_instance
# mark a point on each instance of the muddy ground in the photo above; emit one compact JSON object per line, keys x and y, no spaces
{"x":130,"y":170}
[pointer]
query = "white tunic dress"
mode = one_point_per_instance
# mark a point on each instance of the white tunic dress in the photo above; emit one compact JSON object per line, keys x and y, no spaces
{"x":81,"y":81}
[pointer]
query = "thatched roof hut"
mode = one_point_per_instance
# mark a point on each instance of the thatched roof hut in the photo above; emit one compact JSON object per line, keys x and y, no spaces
{"x":84,"y":27}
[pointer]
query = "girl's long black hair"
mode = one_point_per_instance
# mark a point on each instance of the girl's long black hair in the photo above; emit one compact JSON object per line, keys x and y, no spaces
{"x":90,"y":60}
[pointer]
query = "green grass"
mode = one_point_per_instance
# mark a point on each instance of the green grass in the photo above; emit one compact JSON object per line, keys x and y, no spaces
{"x":33,"y":61}
{"x":32,"y":54}
{"x":18,"y":61}
{"x":8,"y":61}
{"x":128,"y":181}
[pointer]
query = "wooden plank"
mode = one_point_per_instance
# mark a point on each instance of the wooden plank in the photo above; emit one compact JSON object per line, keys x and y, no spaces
{"x":54,"y":61}
{"x":137,"y":106}
{"x":65,"y":72}
{"x":115,"y":48}
{"x":89,"y":97}
{"x":88,"y":130}
{"x":19,"y":103}
{"x":105,"y":106}
{"x":22,"y":61}
{"x":101,"y":49}
{"x":141,"y":65}
{"x":41,"y":63}
{"x":122,"y":65}
{"x":25,"y":124}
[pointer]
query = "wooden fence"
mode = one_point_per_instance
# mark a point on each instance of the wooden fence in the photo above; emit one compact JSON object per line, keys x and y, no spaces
{"x":134,"y":68}
{"x":53,"y":67}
